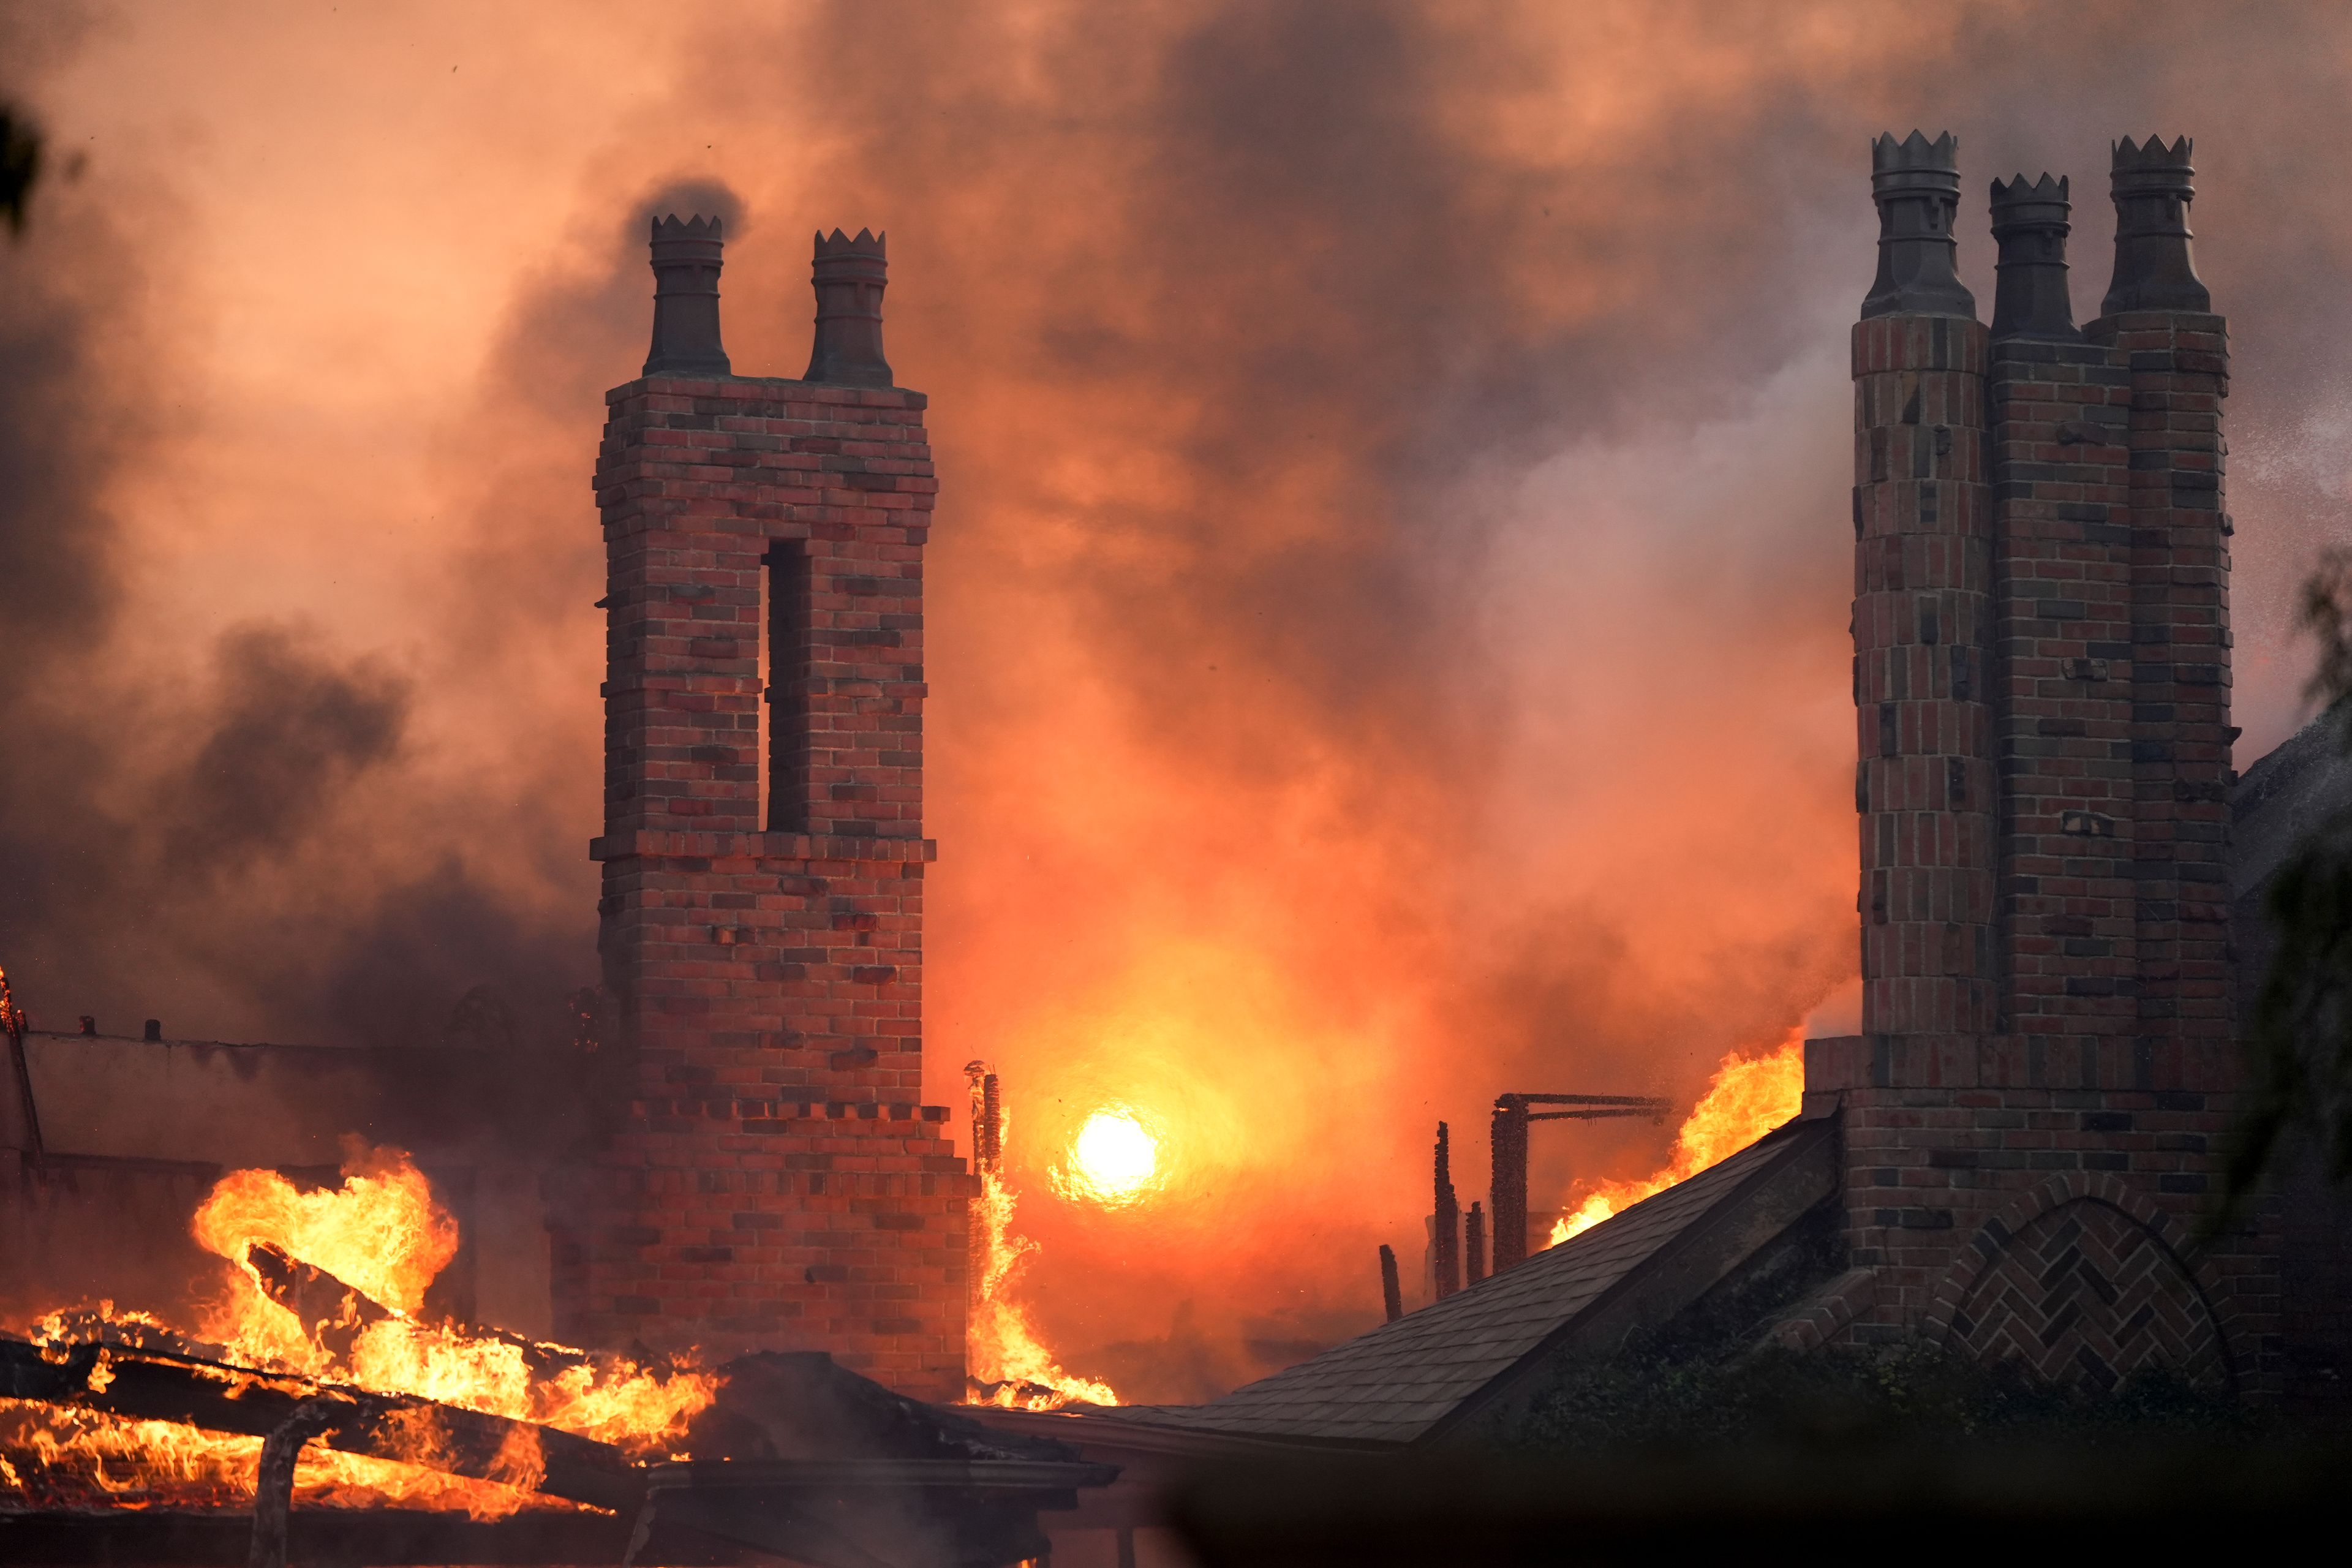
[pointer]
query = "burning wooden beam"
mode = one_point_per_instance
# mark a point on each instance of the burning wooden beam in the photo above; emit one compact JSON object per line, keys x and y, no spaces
{"x":334,"y":1312}
{"x":157,"y":1385}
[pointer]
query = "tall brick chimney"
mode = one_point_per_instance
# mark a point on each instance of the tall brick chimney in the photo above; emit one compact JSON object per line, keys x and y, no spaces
{"x":776,"y":1182}
{"x":2032,"y":1115}
{"x":1922,"y":614}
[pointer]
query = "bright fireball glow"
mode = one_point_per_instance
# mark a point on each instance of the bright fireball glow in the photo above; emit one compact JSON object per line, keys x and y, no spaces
{"x":1113,"y":1159}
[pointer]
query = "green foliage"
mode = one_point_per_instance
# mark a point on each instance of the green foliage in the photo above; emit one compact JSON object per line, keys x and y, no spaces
{"x":1654,"y":1397}
{"x":2300,"y":1035}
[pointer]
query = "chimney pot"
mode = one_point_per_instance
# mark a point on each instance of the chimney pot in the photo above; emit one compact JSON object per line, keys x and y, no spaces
{"x":155,"y":1030}
{"x":850,"y":275}
{"x":686,"y":262}
{"x":89,"y":1024}
{"x":1916,"y":185}
{"x":2029,"y":226}
{"x":2154,"y":269}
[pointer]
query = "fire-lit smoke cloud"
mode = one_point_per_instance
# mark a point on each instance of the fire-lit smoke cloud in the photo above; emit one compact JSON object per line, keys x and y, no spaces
{"x":1388,"y":607}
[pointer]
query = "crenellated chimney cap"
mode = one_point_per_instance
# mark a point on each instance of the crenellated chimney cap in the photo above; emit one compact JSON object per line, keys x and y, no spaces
{"x":866,"y":245}
{"x":849,"y":274}
{"x":2047,"y":199}
{"x":2153,"y":163}
{"x":2155,"y":267}
{"x":1915,"y":159}
{"x":697,"y":238}
{"x":687,"y":257}
{"x":2030,"y":224}
{"x":1916,"y":185}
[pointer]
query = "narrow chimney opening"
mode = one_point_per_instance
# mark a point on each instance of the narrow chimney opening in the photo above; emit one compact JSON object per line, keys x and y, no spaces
{"x":789,"y":667}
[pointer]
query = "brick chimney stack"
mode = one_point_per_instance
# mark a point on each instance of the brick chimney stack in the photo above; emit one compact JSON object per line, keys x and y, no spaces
{"x":775,"y":1183}
{"x":2156,"y":322}
{"x":1923,"y":615}
{"x":2064,"y":563}
{"x":2034,"y":1115}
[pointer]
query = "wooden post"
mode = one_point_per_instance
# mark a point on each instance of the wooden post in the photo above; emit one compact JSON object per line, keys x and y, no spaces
{"x":1509,"y":1192}
{"x":273,"y":1483}
{"x":1445,"y":1234}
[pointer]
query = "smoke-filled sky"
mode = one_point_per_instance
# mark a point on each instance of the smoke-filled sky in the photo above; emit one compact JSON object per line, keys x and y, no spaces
{"x":1387,"y":610}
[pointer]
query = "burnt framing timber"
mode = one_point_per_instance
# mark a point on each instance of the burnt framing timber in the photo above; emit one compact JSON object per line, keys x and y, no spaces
{"x":1510,"y":1166}
{"x":941,"y":1505}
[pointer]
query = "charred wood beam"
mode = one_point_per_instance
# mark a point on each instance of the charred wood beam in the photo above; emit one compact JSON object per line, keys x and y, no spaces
{"x":331,"y":1312}
{"x":334,"y":1312}
{"x":273,"y":1482}
{"x":154,"y":1385}
{"x":1446,"y":1223}
{"x":1597,"y":1114}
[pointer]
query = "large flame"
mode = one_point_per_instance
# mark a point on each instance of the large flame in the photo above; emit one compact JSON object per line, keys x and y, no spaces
{"x":1748,"y":1098}
{"x":1007,"y":1363}
{"x":381,"y":1232}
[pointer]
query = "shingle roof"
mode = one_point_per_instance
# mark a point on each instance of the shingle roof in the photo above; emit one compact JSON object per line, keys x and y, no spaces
{"x":1394,"y":1384}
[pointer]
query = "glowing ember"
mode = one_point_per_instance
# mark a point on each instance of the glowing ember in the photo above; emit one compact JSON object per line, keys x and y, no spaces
{"x":381,"y":1234}
{"x":1748,"y":1097}
{"x":1114,"y":1160}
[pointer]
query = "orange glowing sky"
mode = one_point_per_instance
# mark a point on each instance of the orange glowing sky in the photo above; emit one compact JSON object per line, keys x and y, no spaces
{"x":1388,"y":606}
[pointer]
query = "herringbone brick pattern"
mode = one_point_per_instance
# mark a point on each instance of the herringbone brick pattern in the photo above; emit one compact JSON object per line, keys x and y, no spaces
{"x":2085,"y":1293}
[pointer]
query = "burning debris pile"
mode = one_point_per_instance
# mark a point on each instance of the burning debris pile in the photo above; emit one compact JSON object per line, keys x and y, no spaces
{"x":324,"y":1290}
{"x":314,"y":1376}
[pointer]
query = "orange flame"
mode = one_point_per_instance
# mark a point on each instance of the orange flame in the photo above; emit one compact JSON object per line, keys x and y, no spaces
{"x":381,"y":1232}
{"x":1008,"y":1365}
{"x":1748,"y":1097}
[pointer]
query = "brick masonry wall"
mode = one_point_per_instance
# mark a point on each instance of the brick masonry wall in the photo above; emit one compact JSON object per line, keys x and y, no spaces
{"x":2064,"y":528}
{"x":2024,"y":1172}
{"x":776,"y":1182}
